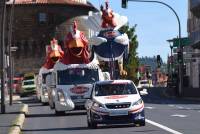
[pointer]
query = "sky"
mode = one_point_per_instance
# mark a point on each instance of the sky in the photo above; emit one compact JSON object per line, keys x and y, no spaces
{"x":156,"y":23}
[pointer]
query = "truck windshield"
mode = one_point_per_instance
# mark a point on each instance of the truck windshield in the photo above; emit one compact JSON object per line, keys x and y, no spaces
{"x":77,"y":76}
{"x":114,"y":89}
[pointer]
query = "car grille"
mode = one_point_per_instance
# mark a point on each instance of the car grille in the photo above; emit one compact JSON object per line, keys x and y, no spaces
{"x":118,"y":105}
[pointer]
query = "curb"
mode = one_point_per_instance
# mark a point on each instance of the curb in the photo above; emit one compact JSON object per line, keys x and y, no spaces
{"x":17,"y":124}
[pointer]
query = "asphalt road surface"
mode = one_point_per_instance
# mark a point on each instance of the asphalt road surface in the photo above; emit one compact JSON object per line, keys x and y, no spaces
{"x":163,"y":116}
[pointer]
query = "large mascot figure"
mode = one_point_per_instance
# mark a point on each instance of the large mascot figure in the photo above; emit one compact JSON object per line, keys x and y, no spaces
{"x":54,"y":53}
{"x":76,"y":47}
{"x":110,"y":45}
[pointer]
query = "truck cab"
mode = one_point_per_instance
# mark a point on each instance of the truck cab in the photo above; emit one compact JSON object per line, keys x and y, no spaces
{"x":73,"y":83}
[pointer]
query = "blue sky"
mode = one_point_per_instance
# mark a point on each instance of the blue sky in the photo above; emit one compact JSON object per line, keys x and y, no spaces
{"x":155,"y":23}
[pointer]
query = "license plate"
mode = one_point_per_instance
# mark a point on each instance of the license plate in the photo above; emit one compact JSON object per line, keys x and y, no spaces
{"x":118,"y":112}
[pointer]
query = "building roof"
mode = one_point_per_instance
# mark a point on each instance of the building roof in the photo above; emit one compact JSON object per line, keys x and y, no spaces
{"x":51,"y":2}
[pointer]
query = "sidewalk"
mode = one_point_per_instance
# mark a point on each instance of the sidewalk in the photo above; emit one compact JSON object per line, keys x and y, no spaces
{"x":11,"y":122}
{"x":187,"y":93}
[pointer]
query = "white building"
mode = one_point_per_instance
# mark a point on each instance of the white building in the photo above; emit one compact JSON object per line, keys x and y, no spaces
{"x":193,"y":66}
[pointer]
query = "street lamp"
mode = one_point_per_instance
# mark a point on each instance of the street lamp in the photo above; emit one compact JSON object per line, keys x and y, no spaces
{"x":180,"y":47}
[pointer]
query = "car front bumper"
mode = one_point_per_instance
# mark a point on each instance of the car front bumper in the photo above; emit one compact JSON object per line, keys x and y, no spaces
{"x":105,"y":118}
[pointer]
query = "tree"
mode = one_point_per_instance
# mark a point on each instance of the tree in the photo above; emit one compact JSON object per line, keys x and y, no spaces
{"x":131,"y":63}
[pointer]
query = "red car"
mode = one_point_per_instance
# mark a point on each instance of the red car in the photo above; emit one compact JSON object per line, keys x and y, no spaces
{"x":17,"y":84}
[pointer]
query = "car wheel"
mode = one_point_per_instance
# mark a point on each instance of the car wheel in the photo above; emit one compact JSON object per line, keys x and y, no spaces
{"x":59,"y":113}
{"x":93,"y":125}
{"x":140,"y":123}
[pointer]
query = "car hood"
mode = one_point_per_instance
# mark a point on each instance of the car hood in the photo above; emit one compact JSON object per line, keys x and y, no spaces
{"x":117,"y":98}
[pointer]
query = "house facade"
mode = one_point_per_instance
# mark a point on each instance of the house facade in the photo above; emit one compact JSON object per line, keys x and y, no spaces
{"x":193,"y":67}
{"x":36,"y":22}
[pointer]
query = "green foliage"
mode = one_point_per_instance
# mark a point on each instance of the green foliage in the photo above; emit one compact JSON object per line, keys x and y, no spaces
{"x":132,"y":63}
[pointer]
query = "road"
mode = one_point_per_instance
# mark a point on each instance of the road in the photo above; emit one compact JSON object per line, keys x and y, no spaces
{"x":163,"y":116}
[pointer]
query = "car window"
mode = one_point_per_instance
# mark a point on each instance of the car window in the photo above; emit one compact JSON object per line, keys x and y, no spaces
{"x":114,"y":89}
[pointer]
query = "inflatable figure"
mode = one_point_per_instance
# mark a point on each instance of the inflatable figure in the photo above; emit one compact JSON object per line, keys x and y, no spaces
{"x":110,"y":45}
{"x":76,"y":47}
{"x":53,"y":54}
{"x":107,"y":17}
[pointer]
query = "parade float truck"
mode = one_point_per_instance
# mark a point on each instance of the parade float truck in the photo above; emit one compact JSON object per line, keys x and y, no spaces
{"x":53,"y":54}
{"x":41,"y":90}
{"x":73,"y":83}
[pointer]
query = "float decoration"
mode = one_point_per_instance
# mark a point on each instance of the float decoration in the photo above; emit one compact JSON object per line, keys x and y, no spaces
{"x":110,"y":45}
{"x":54,"y":53}
{"x":76,"y":47}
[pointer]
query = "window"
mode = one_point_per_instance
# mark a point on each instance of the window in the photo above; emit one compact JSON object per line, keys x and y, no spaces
{"x":42,"y":17}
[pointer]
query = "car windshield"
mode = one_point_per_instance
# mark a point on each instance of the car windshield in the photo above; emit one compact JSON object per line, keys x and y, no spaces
{"x":28,"y":82}
{"x":114,"y":89}
{"x":28,"y":77}
{"x":77,"y":76}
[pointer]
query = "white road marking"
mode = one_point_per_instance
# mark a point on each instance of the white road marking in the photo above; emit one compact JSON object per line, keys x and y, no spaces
{"x":171,"y":105}
{"x":149,"y":107}
{"x":179,"y":115}
{"x":163,"y":127}
{"x":180,"y":107}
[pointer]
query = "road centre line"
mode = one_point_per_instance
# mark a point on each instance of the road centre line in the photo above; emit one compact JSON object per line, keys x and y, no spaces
{"x":163,"y":127}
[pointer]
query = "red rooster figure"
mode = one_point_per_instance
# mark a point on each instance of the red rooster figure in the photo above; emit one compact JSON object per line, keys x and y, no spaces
{"x":53,"y":54}
{"x":107,"y":17}
{"x":76,"y":47}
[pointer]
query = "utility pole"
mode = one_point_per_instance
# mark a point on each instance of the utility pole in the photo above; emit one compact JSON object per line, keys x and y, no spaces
{"x":180,"y":47}
{"x":10,"y":51}
{"x":2,"y":56}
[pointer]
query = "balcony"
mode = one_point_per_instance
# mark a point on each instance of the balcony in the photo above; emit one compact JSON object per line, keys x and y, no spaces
{"x":195,"y":39}
{"x":195,"y":7}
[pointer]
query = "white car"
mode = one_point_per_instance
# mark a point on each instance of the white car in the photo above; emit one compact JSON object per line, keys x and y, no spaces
{"x":145,"y":84}
{"x":115,"y":102}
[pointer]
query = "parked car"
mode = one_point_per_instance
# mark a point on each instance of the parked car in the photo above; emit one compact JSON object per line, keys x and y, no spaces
{"x":17,"y":84}
{"x":115,"y":102}
{"x":28,"y":87}
{"x":144,"y":84}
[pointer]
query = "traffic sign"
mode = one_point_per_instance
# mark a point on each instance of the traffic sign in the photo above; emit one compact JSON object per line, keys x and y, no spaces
{"x":184,"y":41}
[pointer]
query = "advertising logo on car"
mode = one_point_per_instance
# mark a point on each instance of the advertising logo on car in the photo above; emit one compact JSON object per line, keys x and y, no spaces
{"x":79,"y":90}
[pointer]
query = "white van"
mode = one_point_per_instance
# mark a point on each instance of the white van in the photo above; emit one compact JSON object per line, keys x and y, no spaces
{"x":42,"y":92}
{"x":73,"y":83}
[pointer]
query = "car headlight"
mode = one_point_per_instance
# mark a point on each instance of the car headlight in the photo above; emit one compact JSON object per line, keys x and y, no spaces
{"x":44,"y":91}
{"x":61,"y":96}
{"x":140,"y":101}
{"x":95,"y":104}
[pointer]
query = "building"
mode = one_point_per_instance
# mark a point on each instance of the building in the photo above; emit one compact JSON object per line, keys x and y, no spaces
{"x":193,"y":66}
{"x":36,"y":22}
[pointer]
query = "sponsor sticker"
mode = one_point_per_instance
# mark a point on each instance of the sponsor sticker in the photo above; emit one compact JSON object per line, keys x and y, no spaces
{"x":79,"y":90}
